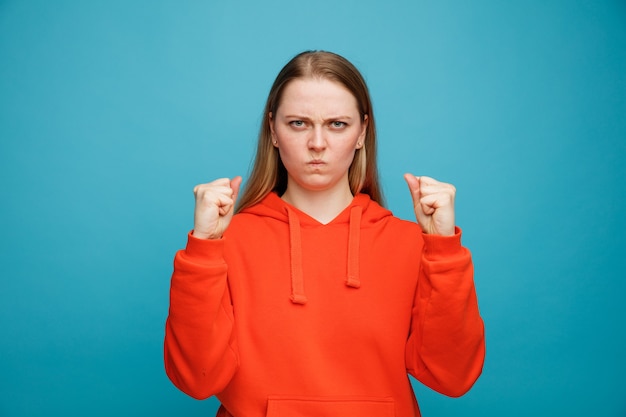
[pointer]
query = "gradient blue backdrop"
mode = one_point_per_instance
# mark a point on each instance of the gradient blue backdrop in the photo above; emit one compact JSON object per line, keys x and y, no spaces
{"x":110,"y":112}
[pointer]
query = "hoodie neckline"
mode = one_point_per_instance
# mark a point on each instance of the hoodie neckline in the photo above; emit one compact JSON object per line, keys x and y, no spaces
{"x":355,"y":216}
{"x":272,"y":200}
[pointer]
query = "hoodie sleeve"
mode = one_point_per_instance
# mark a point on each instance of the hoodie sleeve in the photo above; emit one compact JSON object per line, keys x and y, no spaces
{"x":200,"y":351}
{"x":446,"y":346}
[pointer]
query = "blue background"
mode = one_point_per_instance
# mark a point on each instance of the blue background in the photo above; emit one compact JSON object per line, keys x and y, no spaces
{"x":110,"y":113}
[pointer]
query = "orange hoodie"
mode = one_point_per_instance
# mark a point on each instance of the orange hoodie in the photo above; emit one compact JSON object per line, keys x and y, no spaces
{"x":288,"y":317}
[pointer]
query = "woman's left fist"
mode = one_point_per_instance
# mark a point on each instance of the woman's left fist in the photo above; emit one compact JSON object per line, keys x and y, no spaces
{"x":433,"y":202}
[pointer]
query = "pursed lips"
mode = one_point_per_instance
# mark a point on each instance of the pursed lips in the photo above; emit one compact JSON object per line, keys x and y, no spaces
{"x":316,"y":163}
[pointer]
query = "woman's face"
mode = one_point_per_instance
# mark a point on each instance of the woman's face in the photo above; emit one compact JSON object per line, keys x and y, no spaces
{"x":317,"y":129}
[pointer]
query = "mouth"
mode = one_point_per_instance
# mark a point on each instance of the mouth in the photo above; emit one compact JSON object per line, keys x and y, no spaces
{"x":316,"y":163}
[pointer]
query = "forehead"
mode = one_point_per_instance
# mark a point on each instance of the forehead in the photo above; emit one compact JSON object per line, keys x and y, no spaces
{"x":313,"y":95}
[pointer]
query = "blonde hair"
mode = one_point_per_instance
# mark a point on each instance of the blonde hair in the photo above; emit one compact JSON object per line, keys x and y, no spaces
{"x":268,"y":172}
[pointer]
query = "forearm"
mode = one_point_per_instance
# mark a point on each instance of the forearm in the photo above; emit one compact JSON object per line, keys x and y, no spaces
{"x":198,"y":349}
{"x":446,"y":346}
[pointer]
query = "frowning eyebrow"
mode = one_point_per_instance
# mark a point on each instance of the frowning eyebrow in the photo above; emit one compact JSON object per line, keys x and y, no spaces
{"x":326,"y":119}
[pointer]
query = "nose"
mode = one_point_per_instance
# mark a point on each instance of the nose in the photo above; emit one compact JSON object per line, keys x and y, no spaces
{"x":317,"y":139}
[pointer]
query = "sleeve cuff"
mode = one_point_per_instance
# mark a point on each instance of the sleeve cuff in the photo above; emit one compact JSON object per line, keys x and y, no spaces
{"x":205,"y":251}
{"x":436,"y":246}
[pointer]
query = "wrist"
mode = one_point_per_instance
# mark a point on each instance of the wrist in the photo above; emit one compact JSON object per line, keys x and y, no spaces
{"x":203,"y":235}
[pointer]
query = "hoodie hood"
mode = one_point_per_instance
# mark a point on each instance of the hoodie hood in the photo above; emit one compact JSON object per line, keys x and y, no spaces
{"x":362,"y":212}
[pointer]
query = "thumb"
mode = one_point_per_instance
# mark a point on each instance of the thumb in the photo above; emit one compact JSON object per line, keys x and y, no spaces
{"x":414,"y":187}
{"x":235,"y":184}
{"x":414,"y":184}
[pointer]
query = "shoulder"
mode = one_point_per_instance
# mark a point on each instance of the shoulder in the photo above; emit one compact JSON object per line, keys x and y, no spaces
{"x":405,"y":228}
{"x":384,"y":217}
{"x":394,"y":232}
{"x":245,"y":221}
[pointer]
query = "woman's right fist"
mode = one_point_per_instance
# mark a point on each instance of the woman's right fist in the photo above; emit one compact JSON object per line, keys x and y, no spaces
{"x":215,"y":204}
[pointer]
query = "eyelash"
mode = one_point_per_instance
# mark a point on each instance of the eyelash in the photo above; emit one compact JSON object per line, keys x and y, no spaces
{"x":335,"y":124}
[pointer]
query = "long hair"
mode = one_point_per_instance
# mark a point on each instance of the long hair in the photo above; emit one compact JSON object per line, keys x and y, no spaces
{"x":268,"y":172}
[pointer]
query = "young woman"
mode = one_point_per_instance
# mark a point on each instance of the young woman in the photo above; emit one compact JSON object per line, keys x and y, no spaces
{"x":314,"y":300}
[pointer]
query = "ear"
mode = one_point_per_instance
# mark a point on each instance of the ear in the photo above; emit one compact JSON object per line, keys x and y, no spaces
{"x":361,"y":142}
{"x":270,"y":121}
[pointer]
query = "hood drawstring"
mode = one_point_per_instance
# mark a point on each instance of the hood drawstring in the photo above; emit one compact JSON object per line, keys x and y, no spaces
{"x":354,"y":238}
{"x":295,"y":242}
{"x":297,"y":281}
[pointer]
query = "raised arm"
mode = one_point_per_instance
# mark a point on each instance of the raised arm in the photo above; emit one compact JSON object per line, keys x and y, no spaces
{"x":446,"y":346}
{"x":200,"y":347}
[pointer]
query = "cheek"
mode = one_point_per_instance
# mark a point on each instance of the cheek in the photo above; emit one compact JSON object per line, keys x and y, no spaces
{"x":287,"y":153}
{"x":350,"y":146}
{"x":345,"y":157}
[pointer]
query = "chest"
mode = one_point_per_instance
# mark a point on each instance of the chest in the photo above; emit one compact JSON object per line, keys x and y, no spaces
{"x":385,"y":262}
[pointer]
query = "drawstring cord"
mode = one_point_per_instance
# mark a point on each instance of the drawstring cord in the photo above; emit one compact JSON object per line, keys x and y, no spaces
{"x":297,"y":281}
{"x":354,"y":238}
{"x":295,"y":241}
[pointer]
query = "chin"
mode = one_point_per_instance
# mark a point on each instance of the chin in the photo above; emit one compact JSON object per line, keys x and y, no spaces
{"x":315,"y":186}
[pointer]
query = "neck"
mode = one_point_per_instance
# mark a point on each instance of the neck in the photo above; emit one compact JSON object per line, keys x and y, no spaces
{"x":323,"y":206}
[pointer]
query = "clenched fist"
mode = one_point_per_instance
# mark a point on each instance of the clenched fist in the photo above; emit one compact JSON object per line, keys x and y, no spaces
{"x":215,"y":204}
{"x":433,"y":202}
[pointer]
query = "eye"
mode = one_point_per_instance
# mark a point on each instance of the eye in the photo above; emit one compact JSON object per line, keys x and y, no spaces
{"x":297,"y":123}
{"x":338,"y":125}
